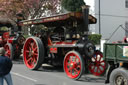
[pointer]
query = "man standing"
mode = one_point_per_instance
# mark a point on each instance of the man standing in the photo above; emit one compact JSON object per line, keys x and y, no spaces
{"x":5,"y":68}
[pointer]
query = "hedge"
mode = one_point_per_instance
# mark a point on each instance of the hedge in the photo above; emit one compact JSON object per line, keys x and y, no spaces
{"x":95,"y":38}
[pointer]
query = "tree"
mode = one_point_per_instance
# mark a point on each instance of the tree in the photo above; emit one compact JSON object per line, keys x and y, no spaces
{"x":30,"y":9}
{"x":73,"y":5}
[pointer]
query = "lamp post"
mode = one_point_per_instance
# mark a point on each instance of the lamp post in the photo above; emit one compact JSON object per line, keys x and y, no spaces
{"x":99,"y":19}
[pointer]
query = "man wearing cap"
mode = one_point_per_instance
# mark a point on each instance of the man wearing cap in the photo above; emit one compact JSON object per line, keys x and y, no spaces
{"x":5,"y":67}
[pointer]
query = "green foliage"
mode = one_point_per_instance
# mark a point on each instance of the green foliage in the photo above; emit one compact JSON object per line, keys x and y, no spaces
{"x":26,"y":36}
{"x":4,"y":28}
{"x":73,"y":5}
{"x":95,"y":38}
{"x":37,"y":29}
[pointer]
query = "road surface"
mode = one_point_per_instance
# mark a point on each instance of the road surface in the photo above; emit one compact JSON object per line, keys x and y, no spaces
{"x":48,"y":75}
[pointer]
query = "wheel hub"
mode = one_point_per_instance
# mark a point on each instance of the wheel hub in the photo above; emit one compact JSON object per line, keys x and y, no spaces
{"x":120,"y":80}
{"x":73,"y":65}
{"x":31,"y":53}
{"x":90,"y":49}
{"x":97,"y":63}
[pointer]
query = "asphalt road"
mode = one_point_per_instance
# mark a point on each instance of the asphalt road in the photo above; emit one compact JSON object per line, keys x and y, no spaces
{"x":48,"y":75}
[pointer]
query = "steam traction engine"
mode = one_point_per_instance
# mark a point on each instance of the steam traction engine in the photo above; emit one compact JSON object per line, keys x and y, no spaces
{"x":64,"y":41}
{"x":12,"y":42}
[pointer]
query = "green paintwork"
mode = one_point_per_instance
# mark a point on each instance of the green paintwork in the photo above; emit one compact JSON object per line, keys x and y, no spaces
{"x":114,"y":52}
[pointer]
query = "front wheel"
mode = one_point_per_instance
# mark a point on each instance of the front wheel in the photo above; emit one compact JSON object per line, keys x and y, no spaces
{"x":33,"y":52}
{"x":73,"y":65}
{"x":119,"y":76}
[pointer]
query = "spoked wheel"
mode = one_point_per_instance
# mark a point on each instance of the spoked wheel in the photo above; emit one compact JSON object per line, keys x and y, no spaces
{"x":73,"y":65}
{"x":119,"y":76}
{"x":97,"y":64}
{"x":9,"y":51}
{"x":33,"y":52}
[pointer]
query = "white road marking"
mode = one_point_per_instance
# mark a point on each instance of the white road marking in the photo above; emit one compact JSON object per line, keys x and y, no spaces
{"x":17,"y":74}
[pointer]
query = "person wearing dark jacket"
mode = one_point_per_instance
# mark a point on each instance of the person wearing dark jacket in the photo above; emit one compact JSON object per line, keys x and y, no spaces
{"x":5,"y":68}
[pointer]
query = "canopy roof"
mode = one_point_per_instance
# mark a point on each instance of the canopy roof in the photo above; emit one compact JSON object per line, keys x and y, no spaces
{"x":5,"y":22}
{"x":59,"y":19}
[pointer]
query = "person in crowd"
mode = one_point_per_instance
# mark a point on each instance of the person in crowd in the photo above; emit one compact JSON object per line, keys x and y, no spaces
{"x":5,"y":68}
{"x":125,"y":39}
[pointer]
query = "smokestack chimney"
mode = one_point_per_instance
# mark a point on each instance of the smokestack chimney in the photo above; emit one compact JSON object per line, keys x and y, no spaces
{"x":85,"y":11}
{"x":19,"y":18}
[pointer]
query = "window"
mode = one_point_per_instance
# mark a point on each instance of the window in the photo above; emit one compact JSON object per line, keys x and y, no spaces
{"x":126,"y":3}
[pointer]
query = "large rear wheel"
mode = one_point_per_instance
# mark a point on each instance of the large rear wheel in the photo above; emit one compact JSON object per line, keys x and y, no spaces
{"x":33,"y":52}
{"x":73,"y":65}
{"x":9,"y":51}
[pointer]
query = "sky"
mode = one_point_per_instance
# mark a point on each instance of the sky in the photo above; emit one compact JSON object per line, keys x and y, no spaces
{"x":91,"y":3}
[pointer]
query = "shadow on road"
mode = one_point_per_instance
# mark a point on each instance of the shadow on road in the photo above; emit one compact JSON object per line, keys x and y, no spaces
{"x":49,"y":68}
{"x":91,"y":78}
{"x":18,"y":61}
{"x":43,"y":68}
{"x":85,"y":78}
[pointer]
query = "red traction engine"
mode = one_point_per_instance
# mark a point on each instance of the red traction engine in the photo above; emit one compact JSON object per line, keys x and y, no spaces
{"x":14,"y":46}
{"x":10,"y":40}
{"x":64,"y":41}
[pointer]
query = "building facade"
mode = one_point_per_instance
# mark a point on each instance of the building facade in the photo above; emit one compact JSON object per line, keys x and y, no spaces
{"x":113,"y":19}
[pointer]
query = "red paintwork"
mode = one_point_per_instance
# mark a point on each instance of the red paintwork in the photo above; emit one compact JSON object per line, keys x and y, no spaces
{"x":53,"y":50}
{"x":1,"y":40}
{"x":8,"y":51}
{"x":10,"y":40}
{"x":65,"y":43}
{"x":97,"y":65}
{"x":72,"y":65}
{"x":5,"y":36}
{"x":30,"y":53}
{"x":49,"y":42}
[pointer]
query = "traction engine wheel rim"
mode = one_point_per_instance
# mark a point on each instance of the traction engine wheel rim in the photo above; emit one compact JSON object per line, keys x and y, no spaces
{"x":33,"y":57}
{"x":97,"y":64}
{"x":9,"y":50}
{"x":73,"y":65}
